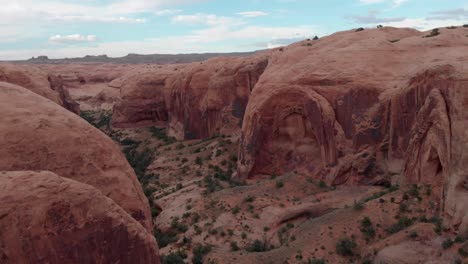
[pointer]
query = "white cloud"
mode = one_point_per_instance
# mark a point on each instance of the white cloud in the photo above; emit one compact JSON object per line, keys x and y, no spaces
{"x":120,"y":19}
{"x":205,"y":19}
{"x":75,"y":38}
{"x":394,"y":2}
{"x":423,"y":24}
{"x":167,"y":12}
{"x":252,"y":13}
{"x":232,"y":38}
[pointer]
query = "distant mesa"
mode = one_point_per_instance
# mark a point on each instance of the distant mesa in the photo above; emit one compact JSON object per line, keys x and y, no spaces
{"x":133,"y":58}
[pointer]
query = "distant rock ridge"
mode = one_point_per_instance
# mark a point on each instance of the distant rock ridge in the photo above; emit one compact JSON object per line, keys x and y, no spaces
{"x":133,"y":58}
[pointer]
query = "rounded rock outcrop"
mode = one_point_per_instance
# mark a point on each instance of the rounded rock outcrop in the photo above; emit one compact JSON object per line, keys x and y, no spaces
{"x":36,"y":134}
{"x":45,"y":218}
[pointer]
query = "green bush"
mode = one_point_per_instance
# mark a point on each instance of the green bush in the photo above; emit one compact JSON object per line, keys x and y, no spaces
{"x":358,"y":206}
{"x":164,"y":239}
{"x":174,"y":258}
{"x":402,"y":223}
{"x":199,"y":253}
{"x":279,"y":184}
{"x":448,"y":243}
{"x":434,"y":32}
{"x":234,"y":246}
{"x":345,"y":247}
{"x":367,"y":228}
{"x":316,"y":261}
{"x":257,"y":246}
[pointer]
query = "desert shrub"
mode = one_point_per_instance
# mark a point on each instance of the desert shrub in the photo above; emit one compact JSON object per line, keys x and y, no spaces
{"x":358,"y":206}
{"x":413,"y":234}
{"x":235,"y":210}
{"x":249,"y":199}
{"x":161,"y":134}
{"x":322,"y":184}
{"x":402,"y":223}
{"x":345,"y":247}
{"x":176,"y":225}
{"x":316,"y":261}
{"x":459,"y":239}
{"x":199,"y":252}
{"x":367,"y":228}
{"x":165,"y":239}
{"x":447,"y":243}
{"x":257,"y":246}
{"x":234,"y":246}
{"x":465,"y":25}
{"x":463,"y":252}
{"x":434,"y":32}
{"x":359,"y":29}
{"x":438,"y":224}
{"x":174,"y":258}
{"x":279,"y":184}
{"x":88,"y":116}
{"x":452,"y":27}
{"x":138,"y":159}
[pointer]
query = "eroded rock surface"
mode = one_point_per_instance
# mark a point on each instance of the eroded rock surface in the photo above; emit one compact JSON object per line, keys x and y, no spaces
{"x":36,"y":134}
{"x":40,"y":82}
{"x":194,"y":101}
{"x":46,"y":218}
{"x":357,"y":108}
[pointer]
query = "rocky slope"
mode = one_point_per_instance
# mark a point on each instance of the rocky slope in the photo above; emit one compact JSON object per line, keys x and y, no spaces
{"x":36,"y":134}
{"x":40,"y":82}
{"x":46,"y":218}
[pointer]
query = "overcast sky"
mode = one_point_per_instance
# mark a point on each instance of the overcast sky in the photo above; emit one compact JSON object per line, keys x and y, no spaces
{"x":72,"y":28}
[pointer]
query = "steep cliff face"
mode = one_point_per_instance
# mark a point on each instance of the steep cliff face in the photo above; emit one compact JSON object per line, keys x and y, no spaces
{"x":357,"y":108}
{"x":37,"y":134}
{"x":51,"y":219}
{"x":143,"y":100}
{"x":40,"y":82}
{"x":210,"y":98}
{"x":195,"y":100}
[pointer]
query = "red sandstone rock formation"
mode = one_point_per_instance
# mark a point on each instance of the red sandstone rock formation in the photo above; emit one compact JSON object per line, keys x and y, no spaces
{"x":36,"y":134}
{"x":143,"y":100}
{"x":357,"y":108}
{"x":45,"y":218}
{"x":39,"y":82}
{"x":196,"y":100}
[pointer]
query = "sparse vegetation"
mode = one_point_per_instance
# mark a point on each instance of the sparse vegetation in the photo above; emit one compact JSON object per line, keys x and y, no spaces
{"x":174,"y":258}
{"x":164,"y":239}
{"x":402,"y":223}
{"x":279,"y":184}
{"x":447,"y":243}
{"x":367,"y":228}
{"x":345,"y":247}
{"x":258,"y":246}
{"x":359,"y":29}
{"x":199,"y":252}
{"x":434,"y":32}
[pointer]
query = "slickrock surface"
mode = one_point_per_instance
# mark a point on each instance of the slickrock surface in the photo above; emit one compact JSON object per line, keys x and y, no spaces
{"x":40,"y":82}
{"x":36,"y":134}
{"x":363,"y":108}
{"x":45,"y":218}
